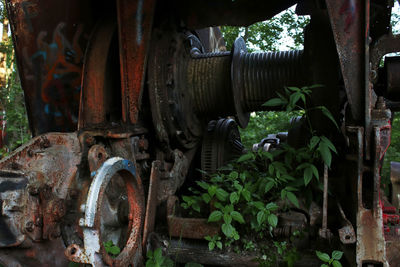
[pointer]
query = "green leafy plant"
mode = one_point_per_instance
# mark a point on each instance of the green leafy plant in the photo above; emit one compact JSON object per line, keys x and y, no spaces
{"x":111,"y":249}
{"x":156,"y":259}
{"x":245,"y":196}
{"x":330,"y":260}
{"x":214,"y":241}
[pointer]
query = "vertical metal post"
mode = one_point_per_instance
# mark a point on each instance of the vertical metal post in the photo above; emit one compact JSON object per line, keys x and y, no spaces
{"x":135,"y":19}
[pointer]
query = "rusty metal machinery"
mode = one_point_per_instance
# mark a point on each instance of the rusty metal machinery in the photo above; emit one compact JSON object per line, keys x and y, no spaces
{"x":127,"y":98}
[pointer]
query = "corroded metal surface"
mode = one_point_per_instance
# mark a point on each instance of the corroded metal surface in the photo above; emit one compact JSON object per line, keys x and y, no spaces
{"x":49,"y":52}
{"x":93,"y":251}
{"x":195,"y":228}
{"x":348,"y":24}
{"x":135,"y":19}
{"x":95,"y":98}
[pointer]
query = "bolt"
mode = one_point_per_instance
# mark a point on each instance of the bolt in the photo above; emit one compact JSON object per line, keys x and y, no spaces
{"x":29,"y":226}
{"x":81,"y":222}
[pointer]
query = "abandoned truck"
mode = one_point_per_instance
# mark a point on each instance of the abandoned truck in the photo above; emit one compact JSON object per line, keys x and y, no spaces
{"x":127,"y":99}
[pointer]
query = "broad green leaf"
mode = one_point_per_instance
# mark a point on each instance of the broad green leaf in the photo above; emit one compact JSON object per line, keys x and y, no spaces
{"x":114,"y":250}
{"x":272,"y":220}
{"x":322,"y":256}
{"x":303,"y":166}
{"x":215,"y":216}
{"x":325,"y":153}
{"x":290,"y":188}
{"x":206,"y":198}
{"x":227,"y":229}
{"x":329,"y":143}
{"x":208,"y":238}
{"x":328,"y":114}
{"x":337,"y":255}
{"x":228,"y":209}
{"x":221,"y":194}
{"x":336,"y":263}
{"x":219,"y":244}
{"x":234,"y":197}
{"x":324,"y":265}
{"x":271,"y":169}
{"x":307,"y":175}
{"x":158,"y":255}
{"x":246,"y":194}
{"x":283,"y":193}
{"x":267,"y":155}
{"x":196,"y":206}
{"x":294,"y":98}
{"x":260,"y":217}
{"x":212,"y":190}
{"x":237,"y":216}
{"x":271,"y":206}
{"x":274,"y":102}
{"x":315,"y":171}
{"x":259,"y":205}
{"x":234,"y":175}
{"x":211,"y":245}
{"x":227,"y":218}
{"x":246,"y":157}
{"x":203,"y":185}
{"x":268,"y":186}
{"x":109,"y":243}
{"x":292,"y":198}
{"x":314,"y":141}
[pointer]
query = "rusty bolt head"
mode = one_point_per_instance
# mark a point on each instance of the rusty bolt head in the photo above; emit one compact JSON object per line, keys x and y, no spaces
{"x":29,"y":226}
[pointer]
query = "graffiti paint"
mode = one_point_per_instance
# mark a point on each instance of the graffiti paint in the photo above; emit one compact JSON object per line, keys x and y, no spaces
{"x":56,"y":69}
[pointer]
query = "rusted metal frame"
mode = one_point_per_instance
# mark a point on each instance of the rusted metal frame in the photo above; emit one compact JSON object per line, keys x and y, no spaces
{"x":47,"y":165}
{"x":135,"y":19}
{"x":49,"y":51}
{"x":347,"y":234}
{"x":388,"y":43}
{"x":151,"y":206}
{"x":347,"y":21}
{"x":368,"y":86}
{"x":370,"y":239}
{"x":194,"y":228}
{"x":93,"y":105}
